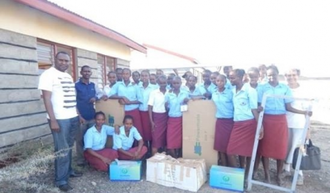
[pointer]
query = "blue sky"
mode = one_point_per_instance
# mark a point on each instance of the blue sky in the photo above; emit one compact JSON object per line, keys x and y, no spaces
{"x":215,"y":32}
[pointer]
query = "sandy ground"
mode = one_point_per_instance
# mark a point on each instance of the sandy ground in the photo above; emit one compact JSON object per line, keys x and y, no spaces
{"x":315,"y":181}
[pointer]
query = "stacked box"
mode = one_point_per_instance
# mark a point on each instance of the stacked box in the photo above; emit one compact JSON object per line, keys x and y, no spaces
{"x":185,"y":174}
{"x":227,"y":178}
{"x":125,"y":171}
{"x":198,"y":129}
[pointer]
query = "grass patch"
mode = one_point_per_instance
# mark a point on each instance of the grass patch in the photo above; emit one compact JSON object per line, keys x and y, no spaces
{"x":26,"y":168}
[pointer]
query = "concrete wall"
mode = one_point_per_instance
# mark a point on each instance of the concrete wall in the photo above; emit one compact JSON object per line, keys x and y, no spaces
{"x":85,"y":57}
{"x":22,"y":113}
{"x":20,"y":18}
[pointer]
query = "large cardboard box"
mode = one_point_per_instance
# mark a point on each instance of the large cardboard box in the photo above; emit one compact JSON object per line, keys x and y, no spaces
{"x":198,"y":132}
{"x":227,"y":178}
{"x":185,"y":174}
{"x":125,"y":171}
{"x":114,"y":113}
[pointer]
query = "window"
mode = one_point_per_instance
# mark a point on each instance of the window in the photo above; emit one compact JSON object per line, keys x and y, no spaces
{"x":46,"y":56}
{"x":105,"y":65}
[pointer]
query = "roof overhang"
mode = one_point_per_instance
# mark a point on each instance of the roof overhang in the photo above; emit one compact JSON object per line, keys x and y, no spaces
{"x":78,"y":20}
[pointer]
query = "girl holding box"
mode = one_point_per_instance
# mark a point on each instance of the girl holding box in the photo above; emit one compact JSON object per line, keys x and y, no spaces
{"x":129,"y":95}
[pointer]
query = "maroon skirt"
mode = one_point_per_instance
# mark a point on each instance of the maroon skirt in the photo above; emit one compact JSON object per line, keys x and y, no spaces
{"x":242,"y":138}
{"x":274,"y":144}
{"x":223,"y":128}
{"x":174,"y":133}
{"x":96,"y":162}
{"x":132,"y":150}
{"x":159,"y":132}
{"x":146,"y":125}
{"x":137,"y":120}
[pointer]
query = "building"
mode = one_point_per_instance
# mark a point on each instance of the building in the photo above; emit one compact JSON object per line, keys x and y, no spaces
{"x":31,"y":33}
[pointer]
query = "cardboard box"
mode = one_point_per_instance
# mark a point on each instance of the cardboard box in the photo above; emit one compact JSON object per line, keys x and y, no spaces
{"x":114,"y":113}
{"x":198,"y":132}
{"x":227,"y":178}
{"x":185,"y":174}
{"x":125,"y":171}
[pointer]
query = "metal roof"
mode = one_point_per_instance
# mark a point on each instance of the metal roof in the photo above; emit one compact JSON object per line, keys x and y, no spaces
{"x":74,"y":18}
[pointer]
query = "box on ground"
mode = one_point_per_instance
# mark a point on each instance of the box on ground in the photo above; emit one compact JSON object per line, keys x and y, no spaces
{"x":227,"y":178}
{"x":198,"y":129}
{"x":125,"y":171}
{"x":114,"y":113}
{"x":185,"y":174}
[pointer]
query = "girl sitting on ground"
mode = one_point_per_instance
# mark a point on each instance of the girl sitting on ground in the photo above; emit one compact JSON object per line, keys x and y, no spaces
{"x":123,"y":141}
{"x":95,"y":139}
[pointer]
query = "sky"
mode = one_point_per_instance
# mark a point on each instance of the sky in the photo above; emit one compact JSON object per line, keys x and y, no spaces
{"x":287,"y":33}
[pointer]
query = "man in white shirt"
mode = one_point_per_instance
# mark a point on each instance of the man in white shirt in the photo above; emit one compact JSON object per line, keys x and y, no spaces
{"x":58,"y":92}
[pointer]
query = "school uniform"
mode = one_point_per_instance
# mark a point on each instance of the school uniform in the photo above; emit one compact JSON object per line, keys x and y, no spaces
{"x":228,"y":84}
{"x":275,"y":141}
{"x":132,"y":93}
{"x":210,"y":89}
{"x":96,"y":140}
{"x":198,"y":91}
{"x":224,"y":114}
{"x":174,"y":123}
{"x":143,"y":108}
{"x":107,"y":89}
{"x":122,"y":141}
{"x":242,"y":136}
{"x":159,"y":116}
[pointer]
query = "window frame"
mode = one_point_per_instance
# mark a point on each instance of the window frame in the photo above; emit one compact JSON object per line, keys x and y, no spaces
{"x":55,"y":46}
{"x":104,"y":67}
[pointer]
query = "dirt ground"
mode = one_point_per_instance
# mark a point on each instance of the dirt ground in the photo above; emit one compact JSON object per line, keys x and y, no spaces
{"x":314,"y":181}
{"x":94,"y":181}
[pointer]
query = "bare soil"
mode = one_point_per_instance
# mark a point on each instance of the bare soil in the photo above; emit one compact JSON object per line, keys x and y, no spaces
{"x":314,"y":181}
{"x":98,"y":182}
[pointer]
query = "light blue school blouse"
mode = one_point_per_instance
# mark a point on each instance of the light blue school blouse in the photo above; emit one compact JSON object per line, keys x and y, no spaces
{"x":145,"y":93}
{"x":96,"y":140}
{"x":275,"y":106}
{"x":228,"y":84}
{"x":197,"y":92}
{"x":175,"y":102}
{"x":131,"y":92}
{"x":124,"y":142}
{"x":244,"y":100}
{"x":224,"y":103}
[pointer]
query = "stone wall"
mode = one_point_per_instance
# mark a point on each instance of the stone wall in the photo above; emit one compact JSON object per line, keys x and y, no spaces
{"x":22,"y":113}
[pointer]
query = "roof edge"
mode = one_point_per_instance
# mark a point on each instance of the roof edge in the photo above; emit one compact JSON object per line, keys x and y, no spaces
{"x":59,"y":12}
{"x":193,"y":60}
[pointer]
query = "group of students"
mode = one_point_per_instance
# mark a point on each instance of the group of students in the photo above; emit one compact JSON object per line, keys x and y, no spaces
{"x":153,"y":105}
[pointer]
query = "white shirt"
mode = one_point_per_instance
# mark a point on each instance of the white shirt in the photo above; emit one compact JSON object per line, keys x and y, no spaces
{"x":107,"y":90}
{"x":62,"y":87}
{"x":124,"y":142}
{"x":298,"y":121}
{"x":157,"y":101}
